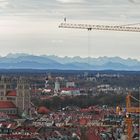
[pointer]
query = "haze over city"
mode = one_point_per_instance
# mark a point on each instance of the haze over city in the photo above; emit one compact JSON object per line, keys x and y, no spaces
{"x":29,"y":26}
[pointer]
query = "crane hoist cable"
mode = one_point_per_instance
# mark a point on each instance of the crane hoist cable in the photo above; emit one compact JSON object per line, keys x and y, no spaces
{"x":89,"y":49}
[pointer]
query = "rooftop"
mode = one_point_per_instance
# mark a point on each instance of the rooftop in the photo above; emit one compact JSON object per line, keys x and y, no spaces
{"x":11,"y":93}
{"x":6,"y":104}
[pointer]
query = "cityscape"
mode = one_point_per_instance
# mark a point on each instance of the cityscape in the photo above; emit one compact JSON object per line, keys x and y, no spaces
{"x":81,"y":105}
{"x":69,"y":70}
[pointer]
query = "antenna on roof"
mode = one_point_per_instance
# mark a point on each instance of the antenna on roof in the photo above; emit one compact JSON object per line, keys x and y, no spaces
{"x":65,"y":19}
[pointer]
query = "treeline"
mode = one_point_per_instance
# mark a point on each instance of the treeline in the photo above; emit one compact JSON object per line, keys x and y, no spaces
{"x":85,"y":101}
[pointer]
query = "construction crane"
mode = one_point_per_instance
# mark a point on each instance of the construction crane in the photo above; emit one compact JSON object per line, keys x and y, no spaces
{"x":129,"y":110}
{"x":125,"y":28}
{"x":101,"y":27}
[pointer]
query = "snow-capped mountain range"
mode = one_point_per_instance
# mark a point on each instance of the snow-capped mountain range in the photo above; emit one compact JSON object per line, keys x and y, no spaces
{"x":27,"y":61}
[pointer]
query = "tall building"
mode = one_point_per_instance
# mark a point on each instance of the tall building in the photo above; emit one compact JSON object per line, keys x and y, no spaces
{"x":23,"y":96}
{"x":57,"y":86}
{"x":14,"y":100}
{"x":46,"y":82}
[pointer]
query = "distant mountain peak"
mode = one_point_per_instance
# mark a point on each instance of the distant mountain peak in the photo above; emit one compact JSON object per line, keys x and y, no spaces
{"x":15,"y":55}
{"x":22,"y":60}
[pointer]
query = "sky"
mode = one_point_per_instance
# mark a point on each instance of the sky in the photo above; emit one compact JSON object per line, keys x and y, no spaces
{"x":31,"y":26}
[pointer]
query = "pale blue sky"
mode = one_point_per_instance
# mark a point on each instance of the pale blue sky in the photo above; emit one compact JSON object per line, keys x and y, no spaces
{"x":31,"y":26}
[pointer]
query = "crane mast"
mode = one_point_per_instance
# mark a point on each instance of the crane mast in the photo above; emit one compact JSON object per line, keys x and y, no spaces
{"x":100,"y":27}
{"x":130,"y":110}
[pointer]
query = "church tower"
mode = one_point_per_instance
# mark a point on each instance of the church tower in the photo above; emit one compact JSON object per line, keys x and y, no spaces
{"x":5,"y":86}
{"x":23,"y":96}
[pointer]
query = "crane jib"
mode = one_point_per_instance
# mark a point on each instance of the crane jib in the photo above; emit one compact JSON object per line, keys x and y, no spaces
{"x":100,"y":27}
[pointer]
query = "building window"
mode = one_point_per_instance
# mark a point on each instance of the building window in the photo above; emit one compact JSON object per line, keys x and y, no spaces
{"x":1,"y":93}
{"x":11,"y":111}
{"x":14,"y":111}
{"x":10,"y":98}
{"x":26,"y":86}
{"x":1,"y":86}
{"x":20,"y":87}
{"x":20,"y":93}
{"x":7,"y":111}
{"x":8,"y":86}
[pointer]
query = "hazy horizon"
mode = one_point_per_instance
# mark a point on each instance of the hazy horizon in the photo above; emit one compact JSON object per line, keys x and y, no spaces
{"x":29,"y":26}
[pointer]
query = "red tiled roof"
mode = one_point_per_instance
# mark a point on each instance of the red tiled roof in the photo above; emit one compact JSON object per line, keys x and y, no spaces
{"x":43,"y":110}
{"x":83,"y":121}
{"x":13,"y":116}
{"x":11,"y":93}
{"x":85,"y":110}
{"x":92,"y":136}
{"x":7,"y":104}
{"x":31,"y":129}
